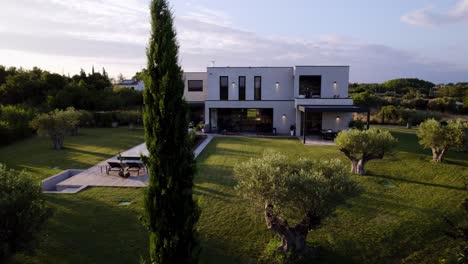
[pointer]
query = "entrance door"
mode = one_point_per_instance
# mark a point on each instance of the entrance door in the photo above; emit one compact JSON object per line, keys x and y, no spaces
{"x":313,"y":123}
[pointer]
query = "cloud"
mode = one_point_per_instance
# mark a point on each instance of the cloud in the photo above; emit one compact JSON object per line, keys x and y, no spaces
{"x":429,"y":16}
{"x":68,"y":35}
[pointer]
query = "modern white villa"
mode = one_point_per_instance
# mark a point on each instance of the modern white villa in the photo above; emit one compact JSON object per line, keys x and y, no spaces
{"x":271,"y":99}
{"x":132,"y":84}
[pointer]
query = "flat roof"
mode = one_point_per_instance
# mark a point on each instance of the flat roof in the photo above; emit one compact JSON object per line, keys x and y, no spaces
{"x":347,"y":66}
{"x":332,"y":108}
{"x":251,"y":67}
{"x":282,"y":67}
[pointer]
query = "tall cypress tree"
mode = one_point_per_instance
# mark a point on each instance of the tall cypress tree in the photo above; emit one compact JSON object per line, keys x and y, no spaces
{"x":171,"y":212}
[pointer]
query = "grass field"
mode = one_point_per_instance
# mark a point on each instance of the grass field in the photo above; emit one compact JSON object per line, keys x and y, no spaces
{"x":383,"y":225}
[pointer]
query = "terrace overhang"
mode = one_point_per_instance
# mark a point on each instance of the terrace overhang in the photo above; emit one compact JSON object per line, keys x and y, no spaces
{"x":332,"y":108}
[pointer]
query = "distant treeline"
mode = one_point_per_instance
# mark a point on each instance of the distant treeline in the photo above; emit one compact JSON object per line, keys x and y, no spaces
{"x":45,"y":91}
{"x":412,"y":94}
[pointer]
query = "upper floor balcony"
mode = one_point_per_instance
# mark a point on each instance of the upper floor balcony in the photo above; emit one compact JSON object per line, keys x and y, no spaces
{"x":322,"y":101}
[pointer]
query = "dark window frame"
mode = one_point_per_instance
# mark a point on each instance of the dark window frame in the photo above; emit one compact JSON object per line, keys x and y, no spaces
{"x":242,"y":88}
{"x":257,"y":96}
{"x":311,"y":92}
{"x":194,"y":90}
{"x":223,"y":90}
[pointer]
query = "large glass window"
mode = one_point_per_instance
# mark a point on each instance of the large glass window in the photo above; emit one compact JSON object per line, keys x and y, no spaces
{"x":223,"y":88}
{"x":258,"y":120}
{"x":241,"y":88}
{"x":310,"y":86}
{"x":195,"y":85}
{"x":258,"y":88}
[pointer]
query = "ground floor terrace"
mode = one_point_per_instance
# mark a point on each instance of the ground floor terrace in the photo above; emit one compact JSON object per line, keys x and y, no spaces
{"x":325,"y":121}
{"x":274,"y":118}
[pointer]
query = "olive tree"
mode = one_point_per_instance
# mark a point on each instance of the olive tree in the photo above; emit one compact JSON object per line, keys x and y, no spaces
{"x":388,"y":112}
{"x":56,"y":124}
{"x":362,"y":146}
{"x":440,"y":136}
{"x":294,"y":196}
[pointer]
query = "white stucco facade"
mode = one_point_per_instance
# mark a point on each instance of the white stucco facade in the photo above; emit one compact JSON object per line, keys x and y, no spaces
{"x":280,"y":96}
{"x":195,"y":96}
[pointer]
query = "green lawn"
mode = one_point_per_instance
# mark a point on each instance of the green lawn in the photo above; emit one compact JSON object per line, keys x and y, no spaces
{"x":383,"y":225}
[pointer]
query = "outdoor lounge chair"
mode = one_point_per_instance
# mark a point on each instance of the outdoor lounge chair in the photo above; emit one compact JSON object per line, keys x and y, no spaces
{"x":128,"y":158}
{"x":134,"y":166}
{"x":114,"y":166}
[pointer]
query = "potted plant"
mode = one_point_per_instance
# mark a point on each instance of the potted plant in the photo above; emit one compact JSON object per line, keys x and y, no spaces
{"x":292,"y":129}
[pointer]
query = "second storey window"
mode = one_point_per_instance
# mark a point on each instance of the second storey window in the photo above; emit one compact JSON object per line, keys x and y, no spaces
{"x":223,"y":88}
{"x":258,"y":88}
{"x":195,"y":85}
{"x":241,"y":88}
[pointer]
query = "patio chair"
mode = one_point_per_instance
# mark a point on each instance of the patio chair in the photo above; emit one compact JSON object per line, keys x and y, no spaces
{"x":113,"y":166}
{"x":135,"y":166}
{"x":328,"y":134}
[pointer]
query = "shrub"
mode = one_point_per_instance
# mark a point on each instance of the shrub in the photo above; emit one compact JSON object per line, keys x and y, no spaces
{"x":128,"y":117}
{"x":86,"y":118}
{"x":443,"y":104}
{"x":358,"y":124}
{"x":200,"y":126}
{"x":23,"y":212}
{"x":14,"y":123}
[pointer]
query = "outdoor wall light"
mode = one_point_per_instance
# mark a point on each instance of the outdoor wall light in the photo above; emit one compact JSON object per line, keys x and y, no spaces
{"x":233,"y":85}
{"x":337,"y":118}
{"x":284,"y":116}
{"x":277,"y":85}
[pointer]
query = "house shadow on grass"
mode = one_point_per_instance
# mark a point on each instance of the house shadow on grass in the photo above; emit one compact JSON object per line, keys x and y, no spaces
{"x":88,"y":230}
{"x":212,"y":193}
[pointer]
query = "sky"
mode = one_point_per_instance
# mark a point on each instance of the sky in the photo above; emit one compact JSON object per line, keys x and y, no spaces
{"x":379,"y":40}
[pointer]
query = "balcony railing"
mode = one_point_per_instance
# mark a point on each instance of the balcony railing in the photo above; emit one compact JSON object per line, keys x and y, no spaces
{"x":322,"y":101}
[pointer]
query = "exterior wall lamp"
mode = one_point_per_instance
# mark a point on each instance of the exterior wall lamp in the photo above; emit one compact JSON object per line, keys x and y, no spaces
{"x":233,"y":85}
{"x":277,"y":85}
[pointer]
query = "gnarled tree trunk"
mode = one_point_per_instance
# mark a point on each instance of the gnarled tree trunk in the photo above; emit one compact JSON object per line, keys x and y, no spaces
{"x":358,"y":166}
{"x":292,"y":238}
{"x":438,"y":154}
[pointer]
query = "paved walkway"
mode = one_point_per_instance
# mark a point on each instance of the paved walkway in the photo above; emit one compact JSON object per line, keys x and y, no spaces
{"x":317,"y":141}
{"x":96,"y":175}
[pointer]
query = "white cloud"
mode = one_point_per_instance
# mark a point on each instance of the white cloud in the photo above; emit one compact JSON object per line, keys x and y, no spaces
{"x":70,"y":34}
{"x":429,"y":16}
